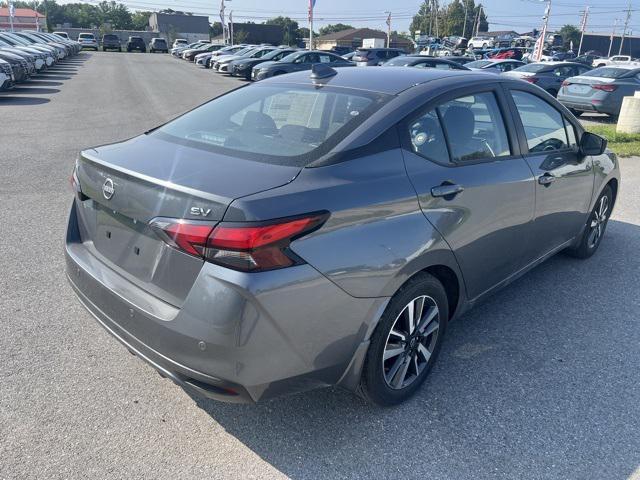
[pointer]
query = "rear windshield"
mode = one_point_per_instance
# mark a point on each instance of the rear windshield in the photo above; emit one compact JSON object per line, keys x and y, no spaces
{"x":478,"y":63}
{"x":110,"y":37}
{"x":158,"y":40}
{"x":607,"y":72}
{"x":401,"y":61}
{"x":532,"y":67}
{"x":281,"y":124}
{"x":86,"y":35}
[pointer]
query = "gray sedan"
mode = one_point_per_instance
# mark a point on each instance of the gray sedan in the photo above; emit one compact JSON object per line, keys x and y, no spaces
{"x":600,"y":90}
{"x":548,"y":75}
{"x":494,"y":66}
{"x":297,"y":61}
{"x":324,"y":227}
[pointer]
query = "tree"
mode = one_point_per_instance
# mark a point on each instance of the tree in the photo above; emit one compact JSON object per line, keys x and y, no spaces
{"x":289,"y":28}
{"x":115,"y":14}
{"x":240,"y":36}
{"x":336,"y":27}
{"x":140,"y":20}
{"x":443,"y":21}
{"x":570,"y":33}
{"x":215,"y":29}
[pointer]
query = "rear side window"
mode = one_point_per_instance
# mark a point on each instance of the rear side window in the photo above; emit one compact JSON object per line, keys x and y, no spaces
{"x":543,"y":125}
{"x":466,"y":129}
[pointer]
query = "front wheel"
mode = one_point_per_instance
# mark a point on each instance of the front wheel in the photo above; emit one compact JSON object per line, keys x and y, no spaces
{"x":406,"y":342}
{"x":596,"y":226}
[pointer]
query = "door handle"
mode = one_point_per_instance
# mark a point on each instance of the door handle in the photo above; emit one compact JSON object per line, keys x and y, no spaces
{"x":447,"y":190}
{"x":546,"y":179}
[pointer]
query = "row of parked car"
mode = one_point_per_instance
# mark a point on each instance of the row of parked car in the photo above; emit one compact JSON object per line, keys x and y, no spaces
{"x":23,"y":54}
{"x":577,"y":85}
{"x":112,"y":41}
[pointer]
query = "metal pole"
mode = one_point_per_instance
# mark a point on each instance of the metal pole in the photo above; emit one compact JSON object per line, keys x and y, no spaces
{"x":626,"y":24}
{"x":388,"y":29}
{"x":464,"y":25}
{"x":543,"y":33}
{"x":311,"y":5}
{"x":584,"y":27}
{"x":11,"y":13}
{"x":613,"y":33}
{"x":231,"y":27}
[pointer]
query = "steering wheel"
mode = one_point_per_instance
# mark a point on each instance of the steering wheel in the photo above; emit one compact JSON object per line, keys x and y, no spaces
{"x":549,"y":145}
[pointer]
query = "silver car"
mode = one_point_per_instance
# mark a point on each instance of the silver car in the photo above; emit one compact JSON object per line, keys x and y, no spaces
{"x":323,"y":227}
{"x":601,"y":90}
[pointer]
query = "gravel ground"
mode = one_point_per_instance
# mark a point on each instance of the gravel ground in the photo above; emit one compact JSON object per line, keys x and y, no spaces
{"x":542,"y":381}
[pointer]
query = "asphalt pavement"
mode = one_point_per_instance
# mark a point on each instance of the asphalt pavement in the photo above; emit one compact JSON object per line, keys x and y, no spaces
{"x":542,"y":381}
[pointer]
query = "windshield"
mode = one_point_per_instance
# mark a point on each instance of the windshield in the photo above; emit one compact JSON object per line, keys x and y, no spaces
{"x":86,"y":35}
{"x":532,"y":67}
{"x":295,"y":124}
{"x":273,"y":54}
{"x":291,"y":57}
{"x":607,"y":72}
{"x":478,"y":64}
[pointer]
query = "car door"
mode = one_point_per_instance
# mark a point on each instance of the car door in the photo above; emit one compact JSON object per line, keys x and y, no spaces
{"x":472,"y":183}
{"x":564,"y":178}
{"x":304,"y":62}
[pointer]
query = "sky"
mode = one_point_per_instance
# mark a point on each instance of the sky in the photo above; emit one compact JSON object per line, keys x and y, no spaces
{"x":518,"y":15}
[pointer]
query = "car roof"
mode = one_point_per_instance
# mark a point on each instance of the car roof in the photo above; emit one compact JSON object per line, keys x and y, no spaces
{"x":383,"y":80}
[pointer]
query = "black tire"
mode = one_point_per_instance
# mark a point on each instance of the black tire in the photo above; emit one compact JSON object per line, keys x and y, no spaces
{"x":586,"y":246}
{"x":374,"y":384}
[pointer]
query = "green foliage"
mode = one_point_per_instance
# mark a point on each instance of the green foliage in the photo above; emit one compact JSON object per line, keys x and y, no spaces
{"x":336,"y":27}
{"x":623,"y":144}
{"x":446,"y":20}
{"x":570,"y":34}
{"x":240,"y":36}
{"x":290,"y":29}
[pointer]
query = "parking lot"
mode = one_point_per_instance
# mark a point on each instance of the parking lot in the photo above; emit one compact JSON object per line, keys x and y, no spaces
{"x":542,"y":381}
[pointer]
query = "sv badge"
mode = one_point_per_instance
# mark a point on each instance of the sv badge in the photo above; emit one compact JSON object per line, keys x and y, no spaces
{"x":199,"y":211}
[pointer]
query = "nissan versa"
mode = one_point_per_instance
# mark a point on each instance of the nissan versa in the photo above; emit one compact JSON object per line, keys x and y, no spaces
{"x":323,"y":227}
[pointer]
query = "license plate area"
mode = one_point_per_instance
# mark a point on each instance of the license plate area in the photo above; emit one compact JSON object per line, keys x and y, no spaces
{"x":579,"y":89}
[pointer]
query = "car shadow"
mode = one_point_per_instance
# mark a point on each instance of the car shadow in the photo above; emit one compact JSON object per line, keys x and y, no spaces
{"x":24,"y":88}
{"x":52,"y":76}
{"x":540,"y":381}
{"x":37,"y":82}
{"x":9,"y":100}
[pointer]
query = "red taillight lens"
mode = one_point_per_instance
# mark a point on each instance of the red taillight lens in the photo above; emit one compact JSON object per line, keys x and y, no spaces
{"x":191,"y":238}
{"x":566,"y":83}
{"x":249,"y":247}
{"x":530,"y":79}
{"x":604,"y":87}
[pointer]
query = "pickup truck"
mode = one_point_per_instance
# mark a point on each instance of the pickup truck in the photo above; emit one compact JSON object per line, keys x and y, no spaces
{"x":616,"y":60}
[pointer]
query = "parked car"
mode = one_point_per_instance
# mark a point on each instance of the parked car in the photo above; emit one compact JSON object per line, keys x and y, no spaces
{"x":226,"y":64}
{"x":505,"y":54}
{"x":158,"y":45}
{"x":178,"y":42}
{"x":461,"y":60}
{"x":342,"y":51}
{"x":65,"y":47}
{"x":548,"y":75}
{"x":19,"y":66}
{"x":111,"y":41}
{"x":481,"y":42}
{"x":64,"y":35}
{"x":177,"y":51}
{"x":243,"y":67}
{"x":587,"y":59}
{"x":420,"y":61}
{"x":600,"y":90}
{"x":88,"y":40}
{"x":208,"y":58}
{"x":563,"y":56}
{"x":136,"y":43}
{"x":297,"y":61}
{"x":326,"y":227}
{"x":6,"y":76}
{"x":40,"y":58}
{"x":494,"y":66}
{"x":349,"y":56}
{"x":375,"y":56}
{"x":523,"y":41}
{"x":616,"y":60}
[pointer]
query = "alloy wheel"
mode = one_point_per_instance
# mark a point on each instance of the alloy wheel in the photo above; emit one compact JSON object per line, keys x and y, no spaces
{"x":411,"y":342}
{"x":598,"y":221}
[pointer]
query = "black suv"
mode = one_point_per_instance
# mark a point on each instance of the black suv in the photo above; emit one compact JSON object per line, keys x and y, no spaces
{"x":136,"y":43}
{"x":111,"y":42}
{"x":158,"y":45}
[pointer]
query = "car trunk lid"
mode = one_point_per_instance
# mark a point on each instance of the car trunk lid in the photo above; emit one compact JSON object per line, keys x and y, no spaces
{"x":125,"y":186}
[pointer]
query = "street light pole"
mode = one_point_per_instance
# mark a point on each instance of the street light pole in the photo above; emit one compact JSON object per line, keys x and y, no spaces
{"x":583,"y":27}
{"x":388,"y":29}
{"x":613,"y":34}
{"x":626,"y":24}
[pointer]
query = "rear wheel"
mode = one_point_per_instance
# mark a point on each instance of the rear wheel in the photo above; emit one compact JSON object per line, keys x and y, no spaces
{"x":596,"y":226}
{"x":406,"y":342}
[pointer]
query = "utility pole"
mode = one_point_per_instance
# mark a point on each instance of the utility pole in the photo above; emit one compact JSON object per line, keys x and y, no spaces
{"x":464,"y":25}
{"x":583,"y":27}
{"x":626,"y":24}
{"x":613,"y":34}
{"x":222,"y":22}
{"x":388,"y":29}
{"x":231,"y":27}
{"x":312,"y":3}
{"x":12,"y":13}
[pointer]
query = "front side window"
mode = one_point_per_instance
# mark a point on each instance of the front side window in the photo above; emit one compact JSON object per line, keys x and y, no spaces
{"x":543,"y":124}
{"x":274,"y":124}
{"x":427,"y":137}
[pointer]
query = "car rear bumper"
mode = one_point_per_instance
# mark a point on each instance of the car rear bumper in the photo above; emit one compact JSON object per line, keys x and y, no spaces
{"x":237,"y":337}
{"x":590,"y":105}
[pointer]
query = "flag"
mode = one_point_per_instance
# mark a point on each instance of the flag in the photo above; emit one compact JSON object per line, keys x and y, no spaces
{"x":537,"y":49}
{"x":312,"y":3}
{"x":389,"y":20}
{"x":12,"y":10}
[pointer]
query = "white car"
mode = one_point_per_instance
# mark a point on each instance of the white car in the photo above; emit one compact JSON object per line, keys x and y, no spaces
{"x":179,"y":42}
{"x":88,"y":40}
{"x":616,"y":61}
{"x":481,"y":42}
{"x":201,"y":59}
{"x":64,"y":35}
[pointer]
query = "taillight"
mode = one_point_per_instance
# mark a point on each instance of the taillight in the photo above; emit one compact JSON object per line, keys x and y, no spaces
{"x":530,"y":79}
{"x":605,"y":87}
{"x":566,"y":83}
{"x":251,"y":248}
{"x":190,"y":237}
{"x":247,"y":247}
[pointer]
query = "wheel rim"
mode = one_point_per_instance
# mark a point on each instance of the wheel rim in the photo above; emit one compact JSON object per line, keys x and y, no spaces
{"x":598,"y":221}
{"x":411,"y":342}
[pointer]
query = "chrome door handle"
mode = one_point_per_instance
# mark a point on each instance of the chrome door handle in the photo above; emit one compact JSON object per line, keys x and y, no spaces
{"x":546,"y":179}
{"x":447,"y":190}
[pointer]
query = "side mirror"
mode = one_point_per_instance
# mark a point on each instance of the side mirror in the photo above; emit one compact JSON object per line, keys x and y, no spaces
{"x":592,"y":144}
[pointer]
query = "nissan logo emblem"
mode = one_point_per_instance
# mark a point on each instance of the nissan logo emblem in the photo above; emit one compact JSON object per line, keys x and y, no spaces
{"x":107,"y":189}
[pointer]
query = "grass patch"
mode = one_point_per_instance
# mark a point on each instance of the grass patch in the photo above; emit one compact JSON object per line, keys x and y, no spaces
{"x":623,"y":144}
